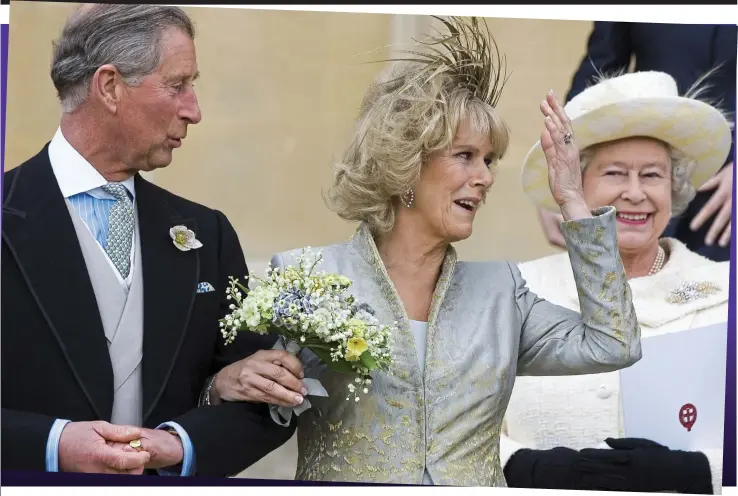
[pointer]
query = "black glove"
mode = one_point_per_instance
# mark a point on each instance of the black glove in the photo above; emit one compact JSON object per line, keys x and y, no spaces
{"x":653,"y":467}
{"x":565,"y":468}
{"x":632,"y":465}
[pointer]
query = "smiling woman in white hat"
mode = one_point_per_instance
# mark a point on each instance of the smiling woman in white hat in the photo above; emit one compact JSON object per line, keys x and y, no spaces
{"x":644,"y":150}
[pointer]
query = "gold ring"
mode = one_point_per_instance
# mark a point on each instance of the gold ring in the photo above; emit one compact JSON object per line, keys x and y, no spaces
{"x":135,"y":444}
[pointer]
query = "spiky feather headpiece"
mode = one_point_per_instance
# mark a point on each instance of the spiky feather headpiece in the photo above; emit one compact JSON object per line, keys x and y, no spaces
{"x":468,"y":54}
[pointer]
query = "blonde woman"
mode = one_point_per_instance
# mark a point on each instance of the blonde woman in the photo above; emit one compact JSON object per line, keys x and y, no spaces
{"x":418,"y":170}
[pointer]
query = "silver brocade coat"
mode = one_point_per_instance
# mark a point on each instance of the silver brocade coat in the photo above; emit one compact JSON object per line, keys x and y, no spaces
{"x":485,"y":327}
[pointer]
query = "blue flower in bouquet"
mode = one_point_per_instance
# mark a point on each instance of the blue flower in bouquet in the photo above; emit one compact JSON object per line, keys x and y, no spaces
{"x":289,"y":306}
{"x":314,"y":310}
{"x":362,"y":307}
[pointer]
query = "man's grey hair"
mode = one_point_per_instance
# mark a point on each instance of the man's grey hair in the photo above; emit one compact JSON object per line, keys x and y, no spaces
{"x":126,"y":36}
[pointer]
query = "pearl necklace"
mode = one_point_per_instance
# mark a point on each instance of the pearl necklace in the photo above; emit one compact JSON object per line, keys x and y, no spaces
{"x":658,"y":264}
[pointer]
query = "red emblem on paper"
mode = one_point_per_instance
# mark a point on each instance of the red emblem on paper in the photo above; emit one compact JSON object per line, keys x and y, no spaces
{"x":688,"y":416}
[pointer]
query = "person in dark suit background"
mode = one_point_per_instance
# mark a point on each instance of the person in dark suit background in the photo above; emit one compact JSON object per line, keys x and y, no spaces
{"x":686,"y":52}
{"x":113,"y":287}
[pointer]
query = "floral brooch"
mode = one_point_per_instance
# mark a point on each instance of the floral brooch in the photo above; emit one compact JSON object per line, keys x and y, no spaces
{"x":184,"y":239}
{"x":689,"y":291}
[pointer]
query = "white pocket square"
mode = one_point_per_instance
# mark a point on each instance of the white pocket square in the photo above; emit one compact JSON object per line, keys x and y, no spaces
{"x":205,"y":287}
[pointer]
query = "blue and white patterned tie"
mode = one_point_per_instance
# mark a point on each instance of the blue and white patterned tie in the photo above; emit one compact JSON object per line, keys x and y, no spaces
{"x":120,"y":230}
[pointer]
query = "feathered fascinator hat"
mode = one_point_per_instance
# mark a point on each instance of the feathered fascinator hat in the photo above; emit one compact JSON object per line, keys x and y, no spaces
{"x":467,"y":56}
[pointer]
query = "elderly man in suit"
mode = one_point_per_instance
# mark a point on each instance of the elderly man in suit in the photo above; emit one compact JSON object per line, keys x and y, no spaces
{"x":686,"y":52}
{"x":113,"y":287}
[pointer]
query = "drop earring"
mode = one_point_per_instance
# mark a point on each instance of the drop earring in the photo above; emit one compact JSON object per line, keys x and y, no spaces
{"x":407,"y":197}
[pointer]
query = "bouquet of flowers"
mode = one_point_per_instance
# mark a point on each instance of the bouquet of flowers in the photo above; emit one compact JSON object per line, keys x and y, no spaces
{"x":311,"y":309}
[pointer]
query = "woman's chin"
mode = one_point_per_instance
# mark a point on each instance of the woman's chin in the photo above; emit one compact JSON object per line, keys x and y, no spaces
{"x":634,"y":242}
{"x":460,"y":233}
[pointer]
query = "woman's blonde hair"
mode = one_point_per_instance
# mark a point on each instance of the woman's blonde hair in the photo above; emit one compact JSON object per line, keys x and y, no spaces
{"x":413,"y":110}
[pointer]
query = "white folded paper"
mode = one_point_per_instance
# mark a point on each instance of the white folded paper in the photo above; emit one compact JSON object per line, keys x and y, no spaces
{"x":675,"y":395}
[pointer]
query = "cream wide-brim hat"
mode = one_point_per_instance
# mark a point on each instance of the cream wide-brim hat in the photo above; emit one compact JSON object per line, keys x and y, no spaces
{"x":639,"y":104}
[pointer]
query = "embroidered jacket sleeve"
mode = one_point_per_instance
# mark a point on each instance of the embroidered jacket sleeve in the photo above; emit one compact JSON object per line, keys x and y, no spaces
{"x":606,"y":335}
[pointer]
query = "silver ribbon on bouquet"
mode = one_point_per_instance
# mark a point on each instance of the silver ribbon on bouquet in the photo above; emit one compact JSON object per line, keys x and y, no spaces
{"x":282,"y":415}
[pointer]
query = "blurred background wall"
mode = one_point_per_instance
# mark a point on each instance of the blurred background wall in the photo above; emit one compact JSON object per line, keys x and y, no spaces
{"x":279,"y":93}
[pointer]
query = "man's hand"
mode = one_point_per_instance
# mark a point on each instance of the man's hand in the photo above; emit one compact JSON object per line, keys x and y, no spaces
{"x":550,"y":222}
{"x":164,"y":448}
{"x":267,"y":376}
{"x":83,"y":447}
{"x":721,"y":203}
{"x":128,"y":449}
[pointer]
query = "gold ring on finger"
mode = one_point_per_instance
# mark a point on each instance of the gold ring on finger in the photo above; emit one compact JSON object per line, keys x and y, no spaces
{"x":135,"y":444}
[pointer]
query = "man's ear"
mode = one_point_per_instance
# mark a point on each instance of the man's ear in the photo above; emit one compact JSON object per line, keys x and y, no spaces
{"x":107,"y":86}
